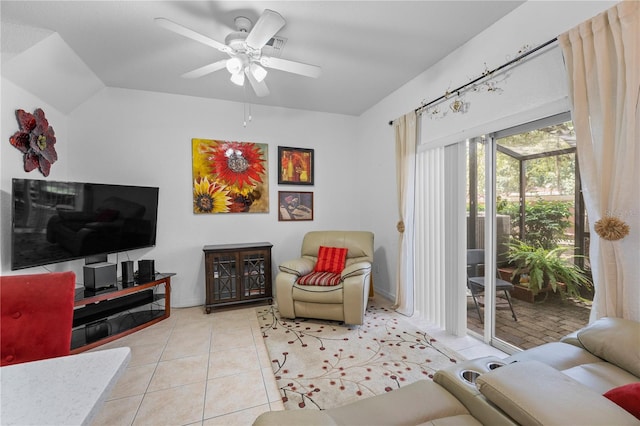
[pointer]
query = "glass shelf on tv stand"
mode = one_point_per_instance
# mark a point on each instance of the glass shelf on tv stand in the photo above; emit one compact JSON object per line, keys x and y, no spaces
{"x":83,"y":293}
{"x":108,"y":314}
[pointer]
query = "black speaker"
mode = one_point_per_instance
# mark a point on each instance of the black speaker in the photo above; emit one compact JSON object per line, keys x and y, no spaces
{"x":146,"y":271}
{"x":127,"y":272}
{"x":100,"y":275}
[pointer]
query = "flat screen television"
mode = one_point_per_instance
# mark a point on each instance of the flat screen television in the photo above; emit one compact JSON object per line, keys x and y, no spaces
{"x":54,"y":221}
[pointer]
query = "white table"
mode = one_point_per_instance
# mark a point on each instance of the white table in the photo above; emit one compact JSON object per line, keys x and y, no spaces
{"x":69,"y":390}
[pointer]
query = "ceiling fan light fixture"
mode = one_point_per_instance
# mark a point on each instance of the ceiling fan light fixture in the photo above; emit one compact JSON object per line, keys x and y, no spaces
{"x":235,"y":65}
{"x":238,"y":78}
{"x":251,"y":49}
{"x":258,"y":72}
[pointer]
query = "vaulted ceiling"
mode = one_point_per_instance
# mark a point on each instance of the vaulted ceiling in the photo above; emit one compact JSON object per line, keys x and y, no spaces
{"x":366,"y":49}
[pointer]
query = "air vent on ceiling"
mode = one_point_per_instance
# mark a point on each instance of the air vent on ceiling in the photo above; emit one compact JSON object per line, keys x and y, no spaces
{"x":274,"y":47}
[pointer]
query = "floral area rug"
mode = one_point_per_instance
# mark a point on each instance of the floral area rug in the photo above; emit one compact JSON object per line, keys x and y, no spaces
{"x":323,"y":364}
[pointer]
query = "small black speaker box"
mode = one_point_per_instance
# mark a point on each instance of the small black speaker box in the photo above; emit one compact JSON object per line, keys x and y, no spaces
{"x":127,"y":272}
{"x":100,"y":275}
{"x":146,"y":271}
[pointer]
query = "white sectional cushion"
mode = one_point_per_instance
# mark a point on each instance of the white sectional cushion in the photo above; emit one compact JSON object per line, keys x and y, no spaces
{"x":615,"y":340}
{"x":560,"y":356}
{"x":601,"y":376}
{"x":420,"y":402}
{"x":461,"y":420}
{"x":533,"y":393}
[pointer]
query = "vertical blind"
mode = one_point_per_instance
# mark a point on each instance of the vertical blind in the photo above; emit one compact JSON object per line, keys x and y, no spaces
{"x":440,"y":237}
{"x":429,"y":236}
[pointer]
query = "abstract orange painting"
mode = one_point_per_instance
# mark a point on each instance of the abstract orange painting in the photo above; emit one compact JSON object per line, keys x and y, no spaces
{"x":295,"y":166}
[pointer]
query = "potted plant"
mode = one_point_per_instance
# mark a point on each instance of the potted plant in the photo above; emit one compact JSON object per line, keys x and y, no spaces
{"x":548,"y":269}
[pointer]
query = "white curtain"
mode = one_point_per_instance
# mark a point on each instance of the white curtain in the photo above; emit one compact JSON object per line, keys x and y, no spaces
{"x":406,"y":136}
{"x":602,"y":57}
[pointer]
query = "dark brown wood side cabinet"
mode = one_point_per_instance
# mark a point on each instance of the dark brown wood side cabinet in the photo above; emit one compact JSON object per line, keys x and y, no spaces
{"x":237,"y":273}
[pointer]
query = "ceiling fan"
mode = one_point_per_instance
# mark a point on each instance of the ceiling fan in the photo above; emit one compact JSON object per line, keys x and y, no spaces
{"x":244,"y":46}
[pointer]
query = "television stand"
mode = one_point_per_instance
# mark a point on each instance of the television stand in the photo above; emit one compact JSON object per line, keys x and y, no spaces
{"x":105,"y":315}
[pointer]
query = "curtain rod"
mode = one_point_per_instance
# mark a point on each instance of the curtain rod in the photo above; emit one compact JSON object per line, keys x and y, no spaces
{"x":484,"y":75}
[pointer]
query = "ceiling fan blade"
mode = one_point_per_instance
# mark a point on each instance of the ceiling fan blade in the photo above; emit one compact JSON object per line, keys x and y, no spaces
{"x":267,"y":26}
{"x":260,"y":87}
{"x":186,"y":32}
{"x":291,"y":66}
{"x":207,"y":69}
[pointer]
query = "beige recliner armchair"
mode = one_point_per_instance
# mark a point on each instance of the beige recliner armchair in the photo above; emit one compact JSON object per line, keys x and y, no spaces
{"x":345,"y":301}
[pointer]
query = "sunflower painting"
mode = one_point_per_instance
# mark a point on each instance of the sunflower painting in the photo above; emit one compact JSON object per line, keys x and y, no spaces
{"x":230,"y":177}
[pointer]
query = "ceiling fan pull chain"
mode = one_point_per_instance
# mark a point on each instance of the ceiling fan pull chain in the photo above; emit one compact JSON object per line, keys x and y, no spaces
{"x":244,"y":106}
{"x":246,"y":117}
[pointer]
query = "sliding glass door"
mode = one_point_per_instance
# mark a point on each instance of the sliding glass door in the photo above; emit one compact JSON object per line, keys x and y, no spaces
{"x":481,"y":254}
{"x":523,"y":191}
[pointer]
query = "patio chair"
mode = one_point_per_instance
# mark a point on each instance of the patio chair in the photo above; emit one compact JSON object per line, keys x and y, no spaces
{"x":475,"y":283}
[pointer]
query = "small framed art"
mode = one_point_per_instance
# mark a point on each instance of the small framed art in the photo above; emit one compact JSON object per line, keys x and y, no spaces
{"x":295,"y":166}
{"x":295,"y":206}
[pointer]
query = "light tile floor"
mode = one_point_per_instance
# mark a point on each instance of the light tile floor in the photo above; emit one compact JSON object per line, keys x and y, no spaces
{"x":199,"y":369}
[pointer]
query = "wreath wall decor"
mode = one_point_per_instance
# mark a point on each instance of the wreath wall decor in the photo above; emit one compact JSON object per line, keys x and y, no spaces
{"x":36,"y":139}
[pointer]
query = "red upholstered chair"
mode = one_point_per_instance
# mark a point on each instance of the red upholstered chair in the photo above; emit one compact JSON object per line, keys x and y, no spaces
{"x":36,"y":316}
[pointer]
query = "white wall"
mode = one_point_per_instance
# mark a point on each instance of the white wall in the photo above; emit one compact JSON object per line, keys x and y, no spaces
{"x":532,"y":24}
{"x":135,"y":137}
{"x":141,"y":138}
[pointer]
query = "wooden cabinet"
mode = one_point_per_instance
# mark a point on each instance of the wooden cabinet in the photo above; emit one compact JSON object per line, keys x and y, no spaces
{"x":237,"y":273}
{"x":102,"y":316}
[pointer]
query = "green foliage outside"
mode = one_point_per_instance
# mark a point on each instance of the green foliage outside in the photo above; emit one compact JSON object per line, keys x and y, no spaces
{"x":545,"y":175}
{"x":553,"y":174}
{"x":545,"y":221}
{"x":549,"y":267}
{"x":548,"y":171}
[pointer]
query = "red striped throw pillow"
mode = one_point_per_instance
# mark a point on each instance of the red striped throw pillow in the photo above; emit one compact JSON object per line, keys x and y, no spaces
{"x":331,"y":259}
{"x":320,"y":278}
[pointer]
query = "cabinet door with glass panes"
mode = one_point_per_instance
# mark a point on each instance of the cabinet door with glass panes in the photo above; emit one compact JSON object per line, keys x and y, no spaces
{"x":237,"y":273}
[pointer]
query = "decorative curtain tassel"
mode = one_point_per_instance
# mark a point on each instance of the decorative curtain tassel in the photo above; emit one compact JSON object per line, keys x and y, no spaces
{"x":611,"y":228}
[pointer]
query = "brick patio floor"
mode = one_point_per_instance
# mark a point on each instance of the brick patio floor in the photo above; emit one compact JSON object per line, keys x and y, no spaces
{"x":538,"y":323}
